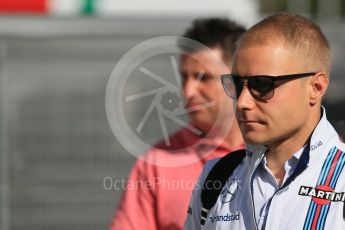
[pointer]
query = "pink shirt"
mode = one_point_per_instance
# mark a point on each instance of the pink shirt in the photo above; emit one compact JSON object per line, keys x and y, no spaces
{"x":157,"y":197}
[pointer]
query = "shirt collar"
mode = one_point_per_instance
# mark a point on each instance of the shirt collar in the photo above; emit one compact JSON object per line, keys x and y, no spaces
{"x":323,"y":133}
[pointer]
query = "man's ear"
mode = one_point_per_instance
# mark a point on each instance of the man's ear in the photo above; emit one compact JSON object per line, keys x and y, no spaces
{"x":319,"y":84}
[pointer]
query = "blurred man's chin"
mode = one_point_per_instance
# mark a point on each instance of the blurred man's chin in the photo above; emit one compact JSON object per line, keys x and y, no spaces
{"x":199,"y":121}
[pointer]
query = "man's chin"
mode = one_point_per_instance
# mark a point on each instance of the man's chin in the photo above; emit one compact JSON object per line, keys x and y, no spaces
{"x":253,"y":139}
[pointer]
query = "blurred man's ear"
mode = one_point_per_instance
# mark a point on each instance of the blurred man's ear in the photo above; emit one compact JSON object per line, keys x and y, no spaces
{"x":319,"y":83}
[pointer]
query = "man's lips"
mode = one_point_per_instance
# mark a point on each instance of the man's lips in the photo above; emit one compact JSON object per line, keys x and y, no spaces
{"x":250,"y":122}
{"x":199,"y":106}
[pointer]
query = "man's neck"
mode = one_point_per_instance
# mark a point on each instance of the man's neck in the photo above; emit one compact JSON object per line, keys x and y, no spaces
{"x":281,"y":151}
{"x":277,"y":157}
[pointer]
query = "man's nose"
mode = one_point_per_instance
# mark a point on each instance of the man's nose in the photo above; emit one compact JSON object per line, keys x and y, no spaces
{"x":190,"y":88}
{"x":245,"y":100}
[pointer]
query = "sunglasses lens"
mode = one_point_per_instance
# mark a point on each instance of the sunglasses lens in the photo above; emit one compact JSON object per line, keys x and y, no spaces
{"x":261,"y":87}
{"x":238,"y":85}
{"x":229,"y":86}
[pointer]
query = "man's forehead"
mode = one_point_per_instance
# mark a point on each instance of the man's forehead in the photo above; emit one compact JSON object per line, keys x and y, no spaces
{"x":269,"y":59}
{"x":207,"y":59}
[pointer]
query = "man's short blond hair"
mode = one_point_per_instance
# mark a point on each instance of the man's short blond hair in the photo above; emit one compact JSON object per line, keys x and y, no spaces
{"x":305,"y":38}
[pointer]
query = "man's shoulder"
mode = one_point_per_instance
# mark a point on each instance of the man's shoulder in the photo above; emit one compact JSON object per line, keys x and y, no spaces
{"x":338,"y":145}
{"x":210,"y":165}
{"x":341,"y":146}
{"x":175,"y":151}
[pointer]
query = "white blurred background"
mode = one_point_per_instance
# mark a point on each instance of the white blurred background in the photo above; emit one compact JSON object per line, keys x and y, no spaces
{"x":56,"y":57}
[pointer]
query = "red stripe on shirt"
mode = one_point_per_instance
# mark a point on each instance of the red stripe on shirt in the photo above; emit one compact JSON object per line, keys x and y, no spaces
{"x":316,"y":217}
{"x":331,"y":171}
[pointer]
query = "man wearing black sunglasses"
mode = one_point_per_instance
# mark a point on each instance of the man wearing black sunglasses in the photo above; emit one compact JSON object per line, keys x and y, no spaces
{"x":291,"y":175}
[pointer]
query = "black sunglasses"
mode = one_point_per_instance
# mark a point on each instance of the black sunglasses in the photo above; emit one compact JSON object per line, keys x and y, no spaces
{"x":260,"y":86}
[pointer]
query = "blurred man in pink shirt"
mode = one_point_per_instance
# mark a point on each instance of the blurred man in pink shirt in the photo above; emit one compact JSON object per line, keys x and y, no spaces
{"x":160,"y":184}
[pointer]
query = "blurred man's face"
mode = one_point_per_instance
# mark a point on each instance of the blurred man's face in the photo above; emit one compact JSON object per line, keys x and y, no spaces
{"x":202,"y":89}
{"x":272,"y":121}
